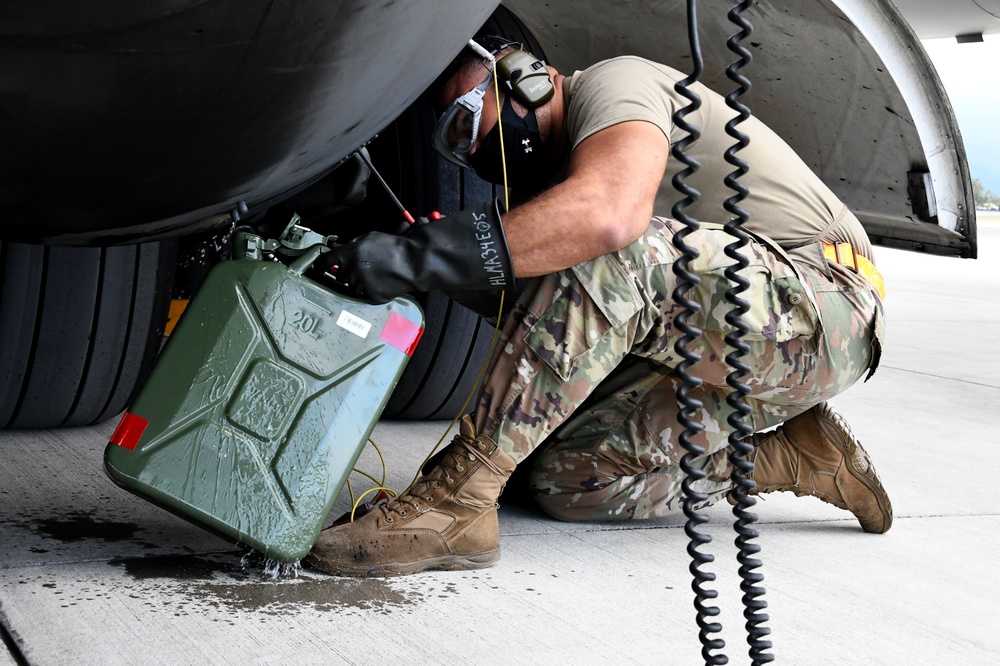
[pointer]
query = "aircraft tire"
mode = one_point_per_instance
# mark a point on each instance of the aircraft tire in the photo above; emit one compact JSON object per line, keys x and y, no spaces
{"x":443,"y":372}
{"x":79,"y":329}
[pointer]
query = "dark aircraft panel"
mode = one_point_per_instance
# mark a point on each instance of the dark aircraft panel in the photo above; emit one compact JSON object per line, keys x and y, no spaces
{"x":121,"y":119}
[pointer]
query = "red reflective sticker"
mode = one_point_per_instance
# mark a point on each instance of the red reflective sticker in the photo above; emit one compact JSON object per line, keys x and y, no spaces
{"x":129,"y":431}
{"x":401,"y":333}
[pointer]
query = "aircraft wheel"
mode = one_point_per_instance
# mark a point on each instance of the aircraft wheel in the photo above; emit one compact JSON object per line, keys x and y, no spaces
{"x":79,"y":329}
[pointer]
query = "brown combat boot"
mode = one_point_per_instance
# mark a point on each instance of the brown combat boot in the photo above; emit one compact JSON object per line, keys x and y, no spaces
{"x":446,"y":520}
{"x":816,"y":454}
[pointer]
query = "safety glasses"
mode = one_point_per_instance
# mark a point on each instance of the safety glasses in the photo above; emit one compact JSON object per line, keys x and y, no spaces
{"x":458,"y":127}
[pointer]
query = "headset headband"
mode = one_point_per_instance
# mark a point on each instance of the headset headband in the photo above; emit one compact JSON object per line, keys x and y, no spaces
{"x":520,"y":73}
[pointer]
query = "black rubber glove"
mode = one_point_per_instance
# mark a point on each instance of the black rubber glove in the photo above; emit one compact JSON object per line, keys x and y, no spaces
{"x":462,"y":253}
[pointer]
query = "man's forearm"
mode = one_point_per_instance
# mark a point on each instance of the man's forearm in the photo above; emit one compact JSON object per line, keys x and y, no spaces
{"x":604,"y":204}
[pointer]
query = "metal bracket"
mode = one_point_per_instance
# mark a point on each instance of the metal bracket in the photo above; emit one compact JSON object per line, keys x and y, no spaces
{"x":296,"y":239}
{"x":248,"y":246}
{"x":920,"y":189}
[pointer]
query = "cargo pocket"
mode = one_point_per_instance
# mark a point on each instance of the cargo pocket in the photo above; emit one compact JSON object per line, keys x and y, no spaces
{"x":780,"y":306}
{"x":577,"y":330}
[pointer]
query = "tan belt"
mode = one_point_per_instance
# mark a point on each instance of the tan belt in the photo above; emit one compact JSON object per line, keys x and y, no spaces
{"x":844,"y":254}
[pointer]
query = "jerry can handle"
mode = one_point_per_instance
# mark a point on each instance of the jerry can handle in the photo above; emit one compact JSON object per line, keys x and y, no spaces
{"x":302,"y":264}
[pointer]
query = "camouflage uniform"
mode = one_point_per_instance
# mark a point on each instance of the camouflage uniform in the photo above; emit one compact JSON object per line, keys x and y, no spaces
{"x":584,"y":369}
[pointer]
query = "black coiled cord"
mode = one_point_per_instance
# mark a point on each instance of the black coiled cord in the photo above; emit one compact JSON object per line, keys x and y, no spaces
{"x":688,"y":406}
{"x":739,"y":439}
{"x":740,"y":432}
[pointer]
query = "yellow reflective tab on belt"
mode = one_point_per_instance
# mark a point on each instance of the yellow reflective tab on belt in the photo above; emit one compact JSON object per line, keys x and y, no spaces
{"x":844,"y":254}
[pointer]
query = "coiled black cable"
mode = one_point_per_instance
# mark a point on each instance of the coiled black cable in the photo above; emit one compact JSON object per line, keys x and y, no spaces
{"x":740,"y":432}
{"x":689,"y":407}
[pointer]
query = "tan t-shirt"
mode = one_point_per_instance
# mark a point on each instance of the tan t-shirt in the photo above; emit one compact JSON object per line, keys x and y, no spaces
{"x":787,"y":202}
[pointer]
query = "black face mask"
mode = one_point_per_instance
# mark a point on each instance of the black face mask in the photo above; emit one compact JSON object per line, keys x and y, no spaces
{"x":527,"y":157}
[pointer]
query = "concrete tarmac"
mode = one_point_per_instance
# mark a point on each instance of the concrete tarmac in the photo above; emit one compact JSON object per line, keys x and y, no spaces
{"x":90,"y":574}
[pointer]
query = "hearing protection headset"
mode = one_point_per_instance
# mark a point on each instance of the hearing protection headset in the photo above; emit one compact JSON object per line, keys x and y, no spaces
{"x":520,"y":73}
{"x":525,"y":77}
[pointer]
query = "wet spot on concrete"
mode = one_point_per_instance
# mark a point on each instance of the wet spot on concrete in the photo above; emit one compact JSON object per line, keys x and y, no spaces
{"x":175,"y":567}
{"x":205,"y":584}
{"x":81,"y":526}
{"x":323,"y":594}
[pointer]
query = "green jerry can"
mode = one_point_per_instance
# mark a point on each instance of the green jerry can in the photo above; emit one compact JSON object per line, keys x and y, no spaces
{"x":261,"y":402}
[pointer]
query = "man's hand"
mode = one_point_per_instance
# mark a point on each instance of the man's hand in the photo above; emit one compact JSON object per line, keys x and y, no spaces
{"x":460,"y":253}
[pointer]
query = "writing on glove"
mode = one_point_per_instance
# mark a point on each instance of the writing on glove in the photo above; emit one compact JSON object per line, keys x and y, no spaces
{"x":461,"y":253}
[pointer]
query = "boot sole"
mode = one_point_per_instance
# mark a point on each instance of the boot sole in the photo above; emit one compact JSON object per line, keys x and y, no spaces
{"x":847,"y":444}
{"x":391,"y":569}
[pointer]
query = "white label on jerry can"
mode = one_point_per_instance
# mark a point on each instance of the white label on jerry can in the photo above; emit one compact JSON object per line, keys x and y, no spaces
{"x":354,"y":324}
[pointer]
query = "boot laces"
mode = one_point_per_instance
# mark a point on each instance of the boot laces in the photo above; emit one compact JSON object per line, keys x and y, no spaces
{"x":455,"y":462}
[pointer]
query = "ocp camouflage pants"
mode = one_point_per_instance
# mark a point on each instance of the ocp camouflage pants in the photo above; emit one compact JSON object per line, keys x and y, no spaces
{"x":584,"y":371}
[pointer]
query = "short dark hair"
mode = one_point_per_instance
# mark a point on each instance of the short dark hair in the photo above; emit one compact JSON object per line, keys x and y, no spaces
{"x":467,"y":58}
